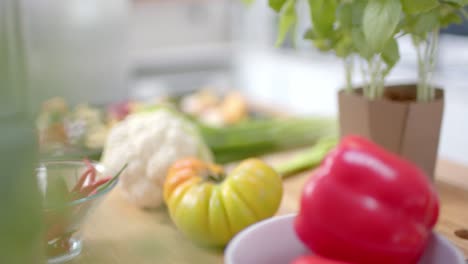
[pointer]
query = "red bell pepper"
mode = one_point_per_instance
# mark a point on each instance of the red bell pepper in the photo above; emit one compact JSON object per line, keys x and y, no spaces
{"x":312,"y":259}
{"x":365,"y":205}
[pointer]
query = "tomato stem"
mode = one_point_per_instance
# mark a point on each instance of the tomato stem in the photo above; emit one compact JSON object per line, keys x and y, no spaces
{"x":217,"y":177}
{"x":213,"y":173}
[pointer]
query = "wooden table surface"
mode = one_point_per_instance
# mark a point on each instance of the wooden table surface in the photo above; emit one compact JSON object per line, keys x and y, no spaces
{"x":118,"y":232}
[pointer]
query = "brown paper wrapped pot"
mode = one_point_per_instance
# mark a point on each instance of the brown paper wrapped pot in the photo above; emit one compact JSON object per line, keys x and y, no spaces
{"x":397,"y":122}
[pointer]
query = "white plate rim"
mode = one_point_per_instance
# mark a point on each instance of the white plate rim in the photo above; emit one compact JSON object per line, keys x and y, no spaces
{"x":239,"y":237}
{"x":233,"y":244}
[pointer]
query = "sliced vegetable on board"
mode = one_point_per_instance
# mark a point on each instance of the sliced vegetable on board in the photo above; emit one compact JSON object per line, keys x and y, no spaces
{"x":210,"y":206}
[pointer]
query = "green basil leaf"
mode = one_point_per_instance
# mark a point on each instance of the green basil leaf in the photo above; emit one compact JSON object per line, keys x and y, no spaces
{"x":424,"y":23}
{"x":449,"y":19}
{"x":276,"y":5}
{"x":310,"y":34}
{"x":345,"y":16}
{"x":380,"y":20}
{"x":323,"y":15}
{"x":323,"y":44}
{"x":391,"y":54}
{"x":418,"y":6}
{"x":457,"y":2}
{"x":358,"y":11}
{"x":288,"y":20}
{"x":360,"y":44}
{"x":344,"y":46}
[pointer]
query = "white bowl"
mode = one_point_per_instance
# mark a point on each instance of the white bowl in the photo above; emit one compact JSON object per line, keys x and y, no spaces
{"x":273,"y":241}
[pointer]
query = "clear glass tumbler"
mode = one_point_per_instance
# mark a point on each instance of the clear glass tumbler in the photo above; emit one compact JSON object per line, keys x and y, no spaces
{"x":64,"y":216}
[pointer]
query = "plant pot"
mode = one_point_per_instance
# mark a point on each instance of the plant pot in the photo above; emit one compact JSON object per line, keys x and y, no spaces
{"x":397,"y":122}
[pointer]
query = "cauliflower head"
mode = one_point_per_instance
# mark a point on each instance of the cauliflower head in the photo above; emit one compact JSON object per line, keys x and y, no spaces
{"x":150,"y":142}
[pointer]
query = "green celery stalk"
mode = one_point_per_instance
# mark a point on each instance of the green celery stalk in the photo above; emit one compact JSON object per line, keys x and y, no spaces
{"x":307,"y":159}
{"x":259,"y":137}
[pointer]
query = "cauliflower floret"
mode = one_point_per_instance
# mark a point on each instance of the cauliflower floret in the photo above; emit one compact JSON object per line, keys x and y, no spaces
{"x":150,"y":142}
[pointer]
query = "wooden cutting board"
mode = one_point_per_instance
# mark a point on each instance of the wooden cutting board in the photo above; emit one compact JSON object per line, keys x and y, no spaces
{"x":118,"y":232}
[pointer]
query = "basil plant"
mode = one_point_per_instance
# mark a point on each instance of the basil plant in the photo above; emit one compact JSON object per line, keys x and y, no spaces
{"x":368,"y":30}
{"x":423,"y":20}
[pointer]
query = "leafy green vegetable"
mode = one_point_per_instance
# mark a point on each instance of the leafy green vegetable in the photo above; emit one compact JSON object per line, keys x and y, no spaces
{"x":277,"y":5}
{"x":423,"y":23}
{"x":370,"y":28}
{"x":450,"y":14}
{"x":458,"y":2}
{"x":344,"y":46}
{"x":418,"y":6}
{"x":310,"y":34}
{"x":322,"y":13}
{"x":391,"y":53}
{"x":451,"y":18}
{"x":345,"y":16}
{"x":380,"y":21}
{"x":360,"y":44}
{"x":322,"y":43}
{"x":358,"y":11}
{"x":288,"y":20}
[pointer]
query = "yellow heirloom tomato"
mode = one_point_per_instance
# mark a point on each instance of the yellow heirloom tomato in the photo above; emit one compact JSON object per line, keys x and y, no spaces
{"x":210,"y":207}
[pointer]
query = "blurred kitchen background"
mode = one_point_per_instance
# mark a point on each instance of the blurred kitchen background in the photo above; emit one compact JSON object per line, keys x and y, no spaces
{"x":103,"y":51}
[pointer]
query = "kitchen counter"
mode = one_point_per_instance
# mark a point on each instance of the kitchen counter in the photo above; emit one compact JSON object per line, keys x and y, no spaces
{"x":118,"y":232}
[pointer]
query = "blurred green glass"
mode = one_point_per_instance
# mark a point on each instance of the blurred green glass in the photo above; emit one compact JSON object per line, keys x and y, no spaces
{"x":20,"y":201}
